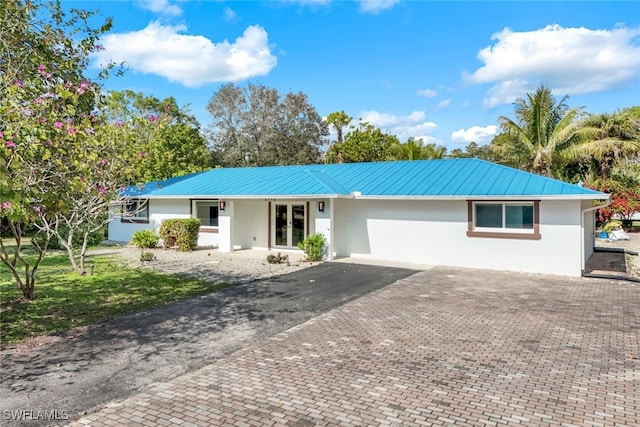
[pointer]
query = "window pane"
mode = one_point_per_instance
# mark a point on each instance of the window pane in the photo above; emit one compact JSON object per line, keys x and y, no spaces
{"x":489,"y":216}
{"x":207,"y":213}
{"x":519,"y":216}
{"x":281,"y":225}
{"x":297,"y":232}
{"x":137,"y":209}
{"x":144,"y":210}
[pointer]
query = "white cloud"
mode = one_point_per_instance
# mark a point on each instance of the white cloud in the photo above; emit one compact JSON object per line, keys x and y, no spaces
{"x":476,"y":134}
{"x":160,"y":6}
{"x":189,"y":59}
{"x":444,"y":103}
{"x":414,"y":125}
{"x":229,"y":15}
{"x":427,"y":93}
{"x":376,"y":6}
{"x":569,"y":60}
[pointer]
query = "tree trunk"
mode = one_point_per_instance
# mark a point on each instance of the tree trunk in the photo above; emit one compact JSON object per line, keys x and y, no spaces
{"x":83,"y":251}
{"x":15,"y":261}
{"x":68,"y":245}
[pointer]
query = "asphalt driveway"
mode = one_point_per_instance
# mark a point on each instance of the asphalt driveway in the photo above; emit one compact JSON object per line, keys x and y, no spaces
{"x":443,"y":347}
{"x":77,"y":371}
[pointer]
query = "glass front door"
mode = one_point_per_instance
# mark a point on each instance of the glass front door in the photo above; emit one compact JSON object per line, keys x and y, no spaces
{"x":289,"y":224}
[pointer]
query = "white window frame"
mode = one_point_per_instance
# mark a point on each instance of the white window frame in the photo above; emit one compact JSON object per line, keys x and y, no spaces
{"x":138,"y":213}
{"x":209,"y":202}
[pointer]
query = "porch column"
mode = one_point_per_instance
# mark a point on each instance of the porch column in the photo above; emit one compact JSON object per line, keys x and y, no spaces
{"x":324,"y":225}
{"x":225,"y":227}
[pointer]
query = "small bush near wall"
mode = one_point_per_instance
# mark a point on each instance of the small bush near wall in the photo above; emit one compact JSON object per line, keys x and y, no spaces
{"x":277,"y":259}
{"x":144,"y":239}
{"x":183,"y":232}
{"x":313,"y":247}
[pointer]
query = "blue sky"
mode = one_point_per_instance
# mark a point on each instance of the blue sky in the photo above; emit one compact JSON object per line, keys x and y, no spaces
{"x":442,"y":71}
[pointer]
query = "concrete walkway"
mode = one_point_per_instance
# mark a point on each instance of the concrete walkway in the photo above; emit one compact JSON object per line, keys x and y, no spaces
{"x":444,"y":347}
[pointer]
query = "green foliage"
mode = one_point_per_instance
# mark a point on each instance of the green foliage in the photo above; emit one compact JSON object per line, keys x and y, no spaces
{"x":182,"y":231}
{"x":93,"y":239}
{"x":612,"y":225}
{"x":339,"y":119}
{"x":66,"y":300}
{"x":475,"y":151}
{"x":147,"y":256}
{"x":416,"y":150}
{"x":616,"y":138}
{"x":145,"y":239}
{"x":257,"y":126}
{"x":314,"y":247}
{"x":544,"y":135}
{"x":277,"y":259}
{"x":163,"y":140}
{"x":363,"y":144}
{"x":624,"y":188}
{"x":57,"y":166}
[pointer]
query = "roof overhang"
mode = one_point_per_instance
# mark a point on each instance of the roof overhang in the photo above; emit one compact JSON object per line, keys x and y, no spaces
{"x":493,"y":197}
{"x":370,"y":197}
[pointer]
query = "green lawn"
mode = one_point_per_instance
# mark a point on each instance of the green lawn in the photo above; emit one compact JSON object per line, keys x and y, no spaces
{"x":65,"y":300}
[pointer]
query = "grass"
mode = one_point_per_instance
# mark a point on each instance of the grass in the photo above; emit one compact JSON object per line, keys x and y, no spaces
{"x":65,"y":300}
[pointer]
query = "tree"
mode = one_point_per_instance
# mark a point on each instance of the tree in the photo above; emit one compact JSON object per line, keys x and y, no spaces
{"x":624,"y":187}
{"x":256,"y":126}
{"x":616,"y":138}
{"x":366,"y":143}
{"x":545,"y":134}
{"x":339,"y":120}
{"x":50,"y":144}
{"x":475,"y":151}
{"x":416,"y":150}
{"x":163,"y":139}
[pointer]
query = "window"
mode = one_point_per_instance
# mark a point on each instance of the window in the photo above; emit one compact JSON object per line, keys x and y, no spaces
{"x":207,"y":212}
{"x":516,"y":220}
{"x":136,"y":210}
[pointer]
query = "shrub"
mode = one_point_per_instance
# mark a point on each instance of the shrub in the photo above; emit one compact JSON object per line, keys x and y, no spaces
{"x":147,"y":256}
{"x":182,"y":231}
{"x":145,"y":239}
{"x":612,"y":225}
{"x":277,"y":259}
{"x":93,"y":240}
{"x":314,"y":247}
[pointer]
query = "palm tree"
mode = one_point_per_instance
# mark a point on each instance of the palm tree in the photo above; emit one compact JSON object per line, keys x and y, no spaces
{"x":616,"y":139}
{"x":544,"y":135}
{"x":414,"y":149}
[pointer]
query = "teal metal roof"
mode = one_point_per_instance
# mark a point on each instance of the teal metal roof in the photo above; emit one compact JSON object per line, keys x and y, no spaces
{"x":447,"y":178}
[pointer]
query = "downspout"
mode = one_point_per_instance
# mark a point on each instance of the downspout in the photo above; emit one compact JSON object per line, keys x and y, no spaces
{"x":582,"y":242}
{"x":331,"y":233}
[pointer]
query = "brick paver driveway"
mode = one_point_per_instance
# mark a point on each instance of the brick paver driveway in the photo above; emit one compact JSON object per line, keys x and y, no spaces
{"x":442,"y":347}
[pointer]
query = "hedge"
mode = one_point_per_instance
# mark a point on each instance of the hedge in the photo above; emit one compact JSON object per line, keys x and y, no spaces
{"x":183,"y":232}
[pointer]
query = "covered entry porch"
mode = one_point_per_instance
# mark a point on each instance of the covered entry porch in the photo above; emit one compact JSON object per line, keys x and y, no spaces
{"x":270,"y":224}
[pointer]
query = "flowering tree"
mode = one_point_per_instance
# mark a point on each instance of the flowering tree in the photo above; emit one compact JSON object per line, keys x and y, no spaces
{"x":58,"y":161}
{"x":625,"y":197}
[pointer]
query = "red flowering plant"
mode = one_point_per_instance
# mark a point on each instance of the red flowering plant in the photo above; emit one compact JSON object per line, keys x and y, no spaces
{"x":625,"y":198}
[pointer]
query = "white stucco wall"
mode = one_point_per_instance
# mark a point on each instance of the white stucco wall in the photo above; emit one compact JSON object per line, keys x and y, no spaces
{"x":434,"y":232}
{"x":159,"y":210}
{"x":250,"y":224}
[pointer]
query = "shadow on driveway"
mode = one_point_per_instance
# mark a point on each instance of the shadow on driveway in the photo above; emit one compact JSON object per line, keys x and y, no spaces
{"x":88,"y":367}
